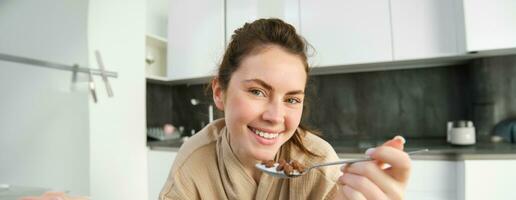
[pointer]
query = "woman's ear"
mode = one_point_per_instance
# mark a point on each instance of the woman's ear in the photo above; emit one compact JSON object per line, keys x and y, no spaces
{"x":218,"y":94}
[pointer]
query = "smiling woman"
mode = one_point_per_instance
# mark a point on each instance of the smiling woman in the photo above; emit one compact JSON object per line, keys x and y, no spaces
{"x":262,"y":104}
{"x":260,"y":87}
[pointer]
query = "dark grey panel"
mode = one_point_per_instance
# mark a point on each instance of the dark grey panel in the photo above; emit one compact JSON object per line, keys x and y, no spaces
{"x":415,"y":103}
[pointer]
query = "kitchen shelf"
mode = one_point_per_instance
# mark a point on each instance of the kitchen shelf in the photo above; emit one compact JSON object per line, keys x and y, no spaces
{"x":156,"y":41}
{"x":156,"y":58}
{"x":157,"y":79}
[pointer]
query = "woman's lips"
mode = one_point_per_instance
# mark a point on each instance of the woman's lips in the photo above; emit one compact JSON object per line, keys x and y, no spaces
{"x":262,"y":137}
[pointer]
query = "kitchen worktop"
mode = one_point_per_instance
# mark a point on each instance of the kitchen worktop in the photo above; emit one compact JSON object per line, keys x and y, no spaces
{"x":439,"y":149}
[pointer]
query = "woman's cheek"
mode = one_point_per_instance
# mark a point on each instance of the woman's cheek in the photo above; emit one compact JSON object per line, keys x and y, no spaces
{"x":294,"y":118}
{"x":247,"y":109}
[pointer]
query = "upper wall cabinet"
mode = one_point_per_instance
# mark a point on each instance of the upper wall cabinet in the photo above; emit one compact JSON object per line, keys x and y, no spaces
{"x":238,"y":12}
{"x":346,"y":32}
{"x":195,"y":38}
{"x":490,"y":24}
{"x":156,"y":39}
{"x":341,"y":32}
{"x":425,"y":29}
{"x":157,"y":18}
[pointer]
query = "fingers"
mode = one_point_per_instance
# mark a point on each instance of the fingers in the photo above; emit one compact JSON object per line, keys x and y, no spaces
{"x":368,"y":180}
{"x":397,"y":142}
{"x":398,"y":160}
{"x":352,"y":194}
{"x":383,"y":181}
{"x":362,"y":185}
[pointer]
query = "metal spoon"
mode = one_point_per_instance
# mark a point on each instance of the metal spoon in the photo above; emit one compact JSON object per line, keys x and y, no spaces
{"x":281,"y":174}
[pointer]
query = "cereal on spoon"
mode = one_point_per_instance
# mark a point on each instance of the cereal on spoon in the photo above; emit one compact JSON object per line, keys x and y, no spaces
{"x":288,"y":167}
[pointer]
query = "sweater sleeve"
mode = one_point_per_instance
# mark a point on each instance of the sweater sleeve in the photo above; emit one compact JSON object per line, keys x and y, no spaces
{"x":333,"y":193}
{"x":332,"y":173}
{"x":321,"y":183}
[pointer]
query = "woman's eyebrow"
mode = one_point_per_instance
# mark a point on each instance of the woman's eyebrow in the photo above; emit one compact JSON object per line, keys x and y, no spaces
{"x":269,"y":87}
{"x":260,"y":82}
{"x":295,"y":92}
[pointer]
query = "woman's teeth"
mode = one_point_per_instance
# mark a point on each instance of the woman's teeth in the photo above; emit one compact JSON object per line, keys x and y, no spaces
{"x":265,"y":134}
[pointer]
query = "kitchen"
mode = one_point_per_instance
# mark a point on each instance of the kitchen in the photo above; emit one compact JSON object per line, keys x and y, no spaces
{"x":395,"y":67}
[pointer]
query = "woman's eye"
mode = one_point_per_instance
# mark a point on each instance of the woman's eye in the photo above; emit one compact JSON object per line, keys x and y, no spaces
{"x":257,"y":92}
{"x":293,"y":101}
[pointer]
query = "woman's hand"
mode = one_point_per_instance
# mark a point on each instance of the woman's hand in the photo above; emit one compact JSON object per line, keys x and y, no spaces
{"x":384,"y":178}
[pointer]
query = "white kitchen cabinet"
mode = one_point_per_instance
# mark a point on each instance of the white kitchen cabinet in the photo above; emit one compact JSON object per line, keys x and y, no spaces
{"x":44,"y":129}
{"x":155,"y":57}
{"x":118,"y":153}
{"x":347,"y":32}
{"x":462,"y":180}
{"x":425,"y":29}
{"x":160,"y":163}
{"x":52,"y":135}
{"x":195,"y":38}
{"x":432,"y":180}
{"x":490,"y":24}
{"x":487,"y":179}
{"x":238,"y":12}
{"x":156,"y":39}
{"x":157,"y":18}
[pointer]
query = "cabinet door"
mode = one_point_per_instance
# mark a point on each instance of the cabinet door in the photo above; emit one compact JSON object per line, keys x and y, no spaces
{"x":159,"y":163}
{"x":44,"y":125}
{"x":347,"y":32}
{"x":195,"y":38}
{"x":425,"y":28}
{"x":432,"y":180}
{"x":488,"y":179}
{"x":490,"y":24}
{"x":238,"y":12}
{"x":157,"y":18}
{"x":118,"y":170}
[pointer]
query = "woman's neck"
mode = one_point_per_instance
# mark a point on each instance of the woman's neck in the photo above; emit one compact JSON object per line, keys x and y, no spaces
{"x":246,"y":160}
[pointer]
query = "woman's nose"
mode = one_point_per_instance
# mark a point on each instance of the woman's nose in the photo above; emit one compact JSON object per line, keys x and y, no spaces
{"x":274,"y":113}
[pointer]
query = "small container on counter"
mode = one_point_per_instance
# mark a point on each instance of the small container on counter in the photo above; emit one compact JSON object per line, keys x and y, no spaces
{"x":167,"y":132}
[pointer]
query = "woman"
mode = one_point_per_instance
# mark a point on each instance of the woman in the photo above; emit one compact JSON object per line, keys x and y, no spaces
{"x":260,"y":88}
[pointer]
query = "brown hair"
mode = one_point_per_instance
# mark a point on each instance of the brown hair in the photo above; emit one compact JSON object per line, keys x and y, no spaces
{"x":253,"y":37}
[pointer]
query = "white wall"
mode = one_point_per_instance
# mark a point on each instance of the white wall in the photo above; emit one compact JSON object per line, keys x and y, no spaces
{"x":118,"y":154}
{"x":44,"y":138}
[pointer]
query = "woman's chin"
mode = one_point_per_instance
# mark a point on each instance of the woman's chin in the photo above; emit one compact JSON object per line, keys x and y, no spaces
{"x":264,"y":155}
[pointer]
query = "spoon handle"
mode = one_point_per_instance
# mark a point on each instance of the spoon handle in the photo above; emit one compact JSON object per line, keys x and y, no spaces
{"x":360,"y":160}
{"x":342,"y":162}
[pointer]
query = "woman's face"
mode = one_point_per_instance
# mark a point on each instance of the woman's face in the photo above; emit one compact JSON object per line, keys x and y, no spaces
{"x":263,"y":102}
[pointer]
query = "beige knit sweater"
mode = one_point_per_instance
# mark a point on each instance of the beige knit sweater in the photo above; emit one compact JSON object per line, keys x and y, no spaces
{"x":206,"y":168}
